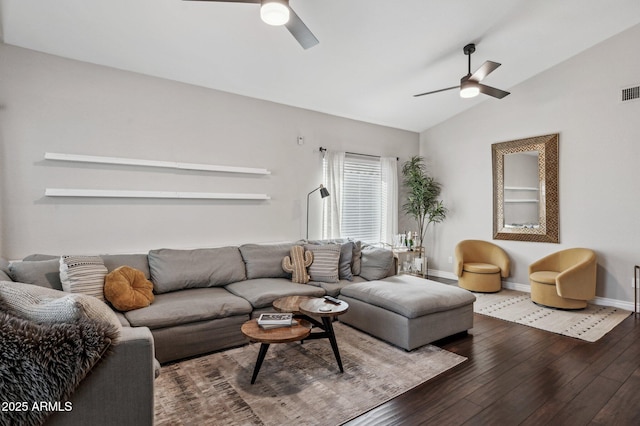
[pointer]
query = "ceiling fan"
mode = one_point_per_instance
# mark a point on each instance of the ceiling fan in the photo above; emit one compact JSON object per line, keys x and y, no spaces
{"x":278,"y":12}
{"x":470,"y":84}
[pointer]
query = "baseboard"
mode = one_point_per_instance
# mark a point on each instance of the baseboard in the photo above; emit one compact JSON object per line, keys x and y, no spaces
{"x":621,"y":304}
{"x":516,"y":286}
{"x":443,"y":274}
{"x":600,"y":301}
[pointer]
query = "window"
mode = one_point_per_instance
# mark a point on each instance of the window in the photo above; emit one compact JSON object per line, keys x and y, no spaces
{"x":366,"y":198}
{"x":362,"y":203}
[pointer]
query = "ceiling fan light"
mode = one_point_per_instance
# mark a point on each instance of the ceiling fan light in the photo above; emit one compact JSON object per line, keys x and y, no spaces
{"x":469,"y":89}
{"x":274,"y":12}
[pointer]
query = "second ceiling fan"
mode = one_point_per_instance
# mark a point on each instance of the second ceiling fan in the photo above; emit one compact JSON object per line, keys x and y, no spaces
{"x":278,"y":12}
{"x":470,"y":84}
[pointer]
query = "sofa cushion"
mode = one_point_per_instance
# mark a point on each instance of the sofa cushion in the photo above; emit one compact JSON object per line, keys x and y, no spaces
{"x":409,"y":296}
{"x":333,"y":289}
{"x":544,"y":277}
{"x":262,"y":292}
{"x":37,"y":257}
{"x":356,"y":259}
{"x":126,"y":288}
{"x":265,"y":260}
{"x":44,"y":273}
{"x":45,"y":305}
{"x":480,"y":268}
{"x":346,"y":258}
{"x":83,"y":274}
{"x":188,"y":306}
{"x":5,"y":274}
{"x":181,"y":269}
{"x":137,"y":261}
{"x":326,"y":260}
{"x":376,"y":263}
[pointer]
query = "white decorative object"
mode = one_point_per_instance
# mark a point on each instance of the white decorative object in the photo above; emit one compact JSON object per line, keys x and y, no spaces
{"x":152,"y":163}
{"x":111,"y":193}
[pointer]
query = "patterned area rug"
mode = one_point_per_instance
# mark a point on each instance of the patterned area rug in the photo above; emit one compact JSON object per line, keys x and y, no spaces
{"x":297,"y":384}
{"x":589,"y":324}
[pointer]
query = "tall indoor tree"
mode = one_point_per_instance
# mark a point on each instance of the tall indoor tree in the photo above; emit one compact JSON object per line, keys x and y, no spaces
{"x":422,"y":198}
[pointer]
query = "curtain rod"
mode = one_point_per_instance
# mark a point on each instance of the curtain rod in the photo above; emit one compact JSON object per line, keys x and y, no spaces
{"x":323,"y":150}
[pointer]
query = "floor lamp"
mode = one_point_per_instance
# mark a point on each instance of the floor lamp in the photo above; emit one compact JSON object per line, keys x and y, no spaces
{"x":323,"y":193}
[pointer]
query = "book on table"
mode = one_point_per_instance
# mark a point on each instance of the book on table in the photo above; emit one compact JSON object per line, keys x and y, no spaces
{"x":272,"y":326}
{"x":275,"y":320}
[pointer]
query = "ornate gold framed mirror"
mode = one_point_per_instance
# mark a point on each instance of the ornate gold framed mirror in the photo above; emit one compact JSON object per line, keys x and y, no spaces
{"x":525,"y":189}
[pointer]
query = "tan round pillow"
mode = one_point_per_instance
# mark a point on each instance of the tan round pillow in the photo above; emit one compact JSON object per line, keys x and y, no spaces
{"x":127,"y":288}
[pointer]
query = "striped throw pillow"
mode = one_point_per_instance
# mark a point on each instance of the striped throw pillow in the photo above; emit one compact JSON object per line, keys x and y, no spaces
{"x":83,"y":274}
{"x":326,"y":259}
{"x":48,"y":306}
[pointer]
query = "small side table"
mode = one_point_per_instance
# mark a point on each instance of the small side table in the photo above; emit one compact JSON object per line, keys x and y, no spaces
{"x":408,"y":258}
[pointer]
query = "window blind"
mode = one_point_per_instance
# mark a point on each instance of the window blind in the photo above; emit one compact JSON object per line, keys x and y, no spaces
{"x":362,"y":200}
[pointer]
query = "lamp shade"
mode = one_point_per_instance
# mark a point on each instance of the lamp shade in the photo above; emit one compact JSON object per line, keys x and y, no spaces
{"x":274,"y":12}
{"x":323,"y":192}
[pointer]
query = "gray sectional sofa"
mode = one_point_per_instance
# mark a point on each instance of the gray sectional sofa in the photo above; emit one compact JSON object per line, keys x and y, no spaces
{"x":202,"y":297}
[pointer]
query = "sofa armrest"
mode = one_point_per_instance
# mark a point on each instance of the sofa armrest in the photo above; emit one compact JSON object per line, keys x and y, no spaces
{"x":119,"y":390}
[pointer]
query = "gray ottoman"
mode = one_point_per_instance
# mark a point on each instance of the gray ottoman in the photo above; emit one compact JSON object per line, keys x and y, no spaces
{"x":408,"y":311}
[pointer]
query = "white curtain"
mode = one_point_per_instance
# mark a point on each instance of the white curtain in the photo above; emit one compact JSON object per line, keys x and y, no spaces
{"x":332,"y":211}
{"x":389,"y":214}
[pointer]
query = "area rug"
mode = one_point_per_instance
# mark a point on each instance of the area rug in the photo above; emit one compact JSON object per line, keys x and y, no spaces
{"x":589,"y":324}
{"x":299,"y":383}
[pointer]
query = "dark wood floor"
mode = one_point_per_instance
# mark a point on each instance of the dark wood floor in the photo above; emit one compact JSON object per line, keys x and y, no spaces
{"x":518,"y":375}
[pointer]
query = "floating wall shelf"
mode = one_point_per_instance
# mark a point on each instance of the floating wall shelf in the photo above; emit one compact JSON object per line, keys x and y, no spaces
{"x":521,"y":201}
{"x":109,"y":193}
{"x":521,"y":188}
{"x":153,"y":163}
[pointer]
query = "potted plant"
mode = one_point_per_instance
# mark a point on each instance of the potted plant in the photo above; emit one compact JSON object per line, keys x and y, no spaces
{"x":422,"y":198}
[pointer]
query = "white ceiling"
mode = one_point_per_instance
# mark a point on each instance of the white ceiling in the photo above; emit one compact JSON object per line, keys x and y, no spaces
{"x":372,"y":57}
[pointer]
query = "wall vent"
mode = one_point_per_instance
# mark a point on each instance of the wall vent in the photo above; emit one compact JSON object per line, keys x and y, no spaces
{"x":630,"y":93}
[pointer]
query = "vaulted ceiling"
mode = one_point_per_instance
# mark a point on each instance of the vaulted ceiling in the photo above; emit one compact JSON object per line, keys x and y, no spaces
{"x":373,"y":55}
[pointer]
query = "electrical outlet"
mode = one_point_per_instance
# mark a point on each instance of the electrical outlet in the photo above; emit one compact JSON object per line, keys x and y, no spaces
{"x":450,"y":259}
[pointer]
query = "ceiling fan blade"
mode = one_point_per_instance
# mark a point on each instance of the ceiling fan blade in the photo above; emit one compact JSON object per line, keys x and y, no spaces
{"x":487,"y":68}
{"x":300,"y":31}
{"x":230,"y":1}
{"x":436,"y":91}
{"x":492,"y":91}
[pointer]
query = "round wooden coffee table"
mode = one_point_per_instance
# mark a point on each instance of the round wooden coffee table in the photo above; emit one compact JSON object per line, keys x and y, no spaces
{"x":319,"y":307}
{"x":311,"y":308}
{"x":255,"y":333}
{"x":290,"y":303}
{"x":316,"y":307}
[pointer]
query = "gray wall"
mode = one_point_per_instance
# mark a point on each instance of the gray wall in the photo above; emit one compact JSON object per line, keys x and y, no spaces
{"x":50,"y":104}
{"x":599,"y":161}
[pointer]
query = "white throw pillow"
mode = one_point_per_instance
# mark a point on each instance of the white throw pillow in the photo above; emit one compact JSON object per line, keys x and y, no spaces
{"x":326,"y":259}
{"x":44,"y":305}
{"x":83,"y":274}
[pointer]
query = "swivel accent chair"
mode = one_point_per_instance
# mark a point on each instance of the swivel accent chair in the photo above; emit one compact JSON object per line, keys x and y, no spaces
{"x":480,"y":266}
{"x":565,"y":279}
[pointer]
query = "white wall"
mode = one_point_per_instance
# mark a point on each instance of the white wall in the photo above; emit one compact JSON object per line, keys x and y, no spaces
{"x":599,"y":178}
{"x":51,"y":104}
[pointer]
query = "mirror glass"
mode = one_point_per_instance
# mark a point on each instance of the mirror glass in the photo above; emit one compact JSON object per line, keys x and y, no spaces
{"x":525,"y":177}
{"x":521,"y":190}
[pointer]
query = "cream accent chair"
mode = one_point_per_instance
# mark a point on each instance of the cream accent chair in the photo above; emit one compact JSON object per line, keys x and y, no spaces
{"x":481,"y":265}
{"x":565,"y":279}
